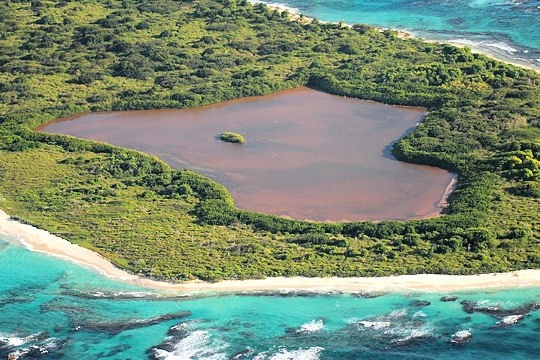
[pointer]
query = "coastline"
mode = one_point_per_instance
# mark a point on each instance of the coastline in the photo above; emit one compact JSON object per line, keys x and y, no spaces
{"x":493,"y":53}
{"x":42,"y":241}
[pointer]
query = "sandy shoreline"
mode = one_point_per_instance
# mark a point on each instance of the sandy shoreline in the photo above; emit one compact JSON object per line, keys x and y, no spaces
{"x":41,"y":241}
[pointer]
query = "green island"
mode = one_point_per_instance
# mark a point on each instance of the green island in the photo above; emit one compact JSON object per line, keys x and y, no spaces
{"x":59,"y":58}
{"x":232,"y":137}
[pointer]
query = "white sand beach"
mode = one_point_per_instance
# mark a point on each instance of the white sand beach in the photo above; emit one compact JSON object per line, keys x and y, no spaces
{"x":41,"y":241}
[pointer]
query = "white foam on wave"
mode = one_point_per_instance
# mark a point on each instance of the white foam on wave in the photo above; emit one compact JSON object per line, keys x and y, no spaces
{"x":381,"y":322}
{"x":42,"y":349}
{"x":311,"y":327}
{"x":197,"y":345}
{"x":22,"y":346}
{"x":419,"y":314}
{"x":375,"y":325}
{"x":403,"y":330}
{"x":11,"y":341}
{"x":279,"y":6}
{"x":466,"y":42}
{"x":180,"y":327}
{"x":502,"y":46}
{"x":16,"y":341}
{"x":413,"y":334}
{"x":497,"y":304}
{"x":396,"y":314}
{"x":134,"y":294}
{"x":487,"y":3}
{"x":510,"y":320}
{"x":312,"y":353}
{"x":501,"y":50}
{"x":524,"y":2}
{"x":461,"y":336}
{"x":462,"y":333}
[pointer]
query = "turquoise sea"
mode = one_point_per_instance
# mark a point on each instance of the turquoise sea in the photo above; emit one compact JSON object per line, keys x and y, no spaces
{"x":52,"y":309}
{"x":508,"y":29}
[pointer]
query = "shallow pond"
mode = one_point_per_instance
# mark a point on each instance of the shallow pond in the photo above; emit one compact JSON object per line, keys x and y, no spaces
{"x":308,"y":154}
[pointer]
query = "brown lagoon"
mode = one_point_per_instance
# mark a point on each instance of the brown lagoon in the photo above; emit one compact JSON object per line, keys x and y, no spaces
{"x":308,"y":154}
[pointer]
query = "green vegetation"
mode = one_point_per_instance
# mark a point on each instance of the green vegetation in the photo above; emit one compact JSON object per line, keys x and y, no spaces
{"x":59,"y":58}
{"x":232,"y":137}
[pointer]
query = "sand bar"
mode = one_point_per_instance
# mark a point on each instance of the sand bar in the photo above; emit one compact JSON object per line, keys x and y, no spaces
{"x":42,"y":241}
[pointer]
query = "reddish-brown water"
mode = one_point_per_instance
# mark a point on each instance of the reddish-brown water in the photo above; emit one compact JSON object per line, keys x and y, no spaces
{"x":308,"y":154}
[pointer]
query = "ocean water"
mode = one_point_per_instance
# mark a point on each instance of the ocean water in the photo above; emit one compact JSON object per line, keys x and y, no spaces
{"x":53,"y":309}
{"x":508,"y":29}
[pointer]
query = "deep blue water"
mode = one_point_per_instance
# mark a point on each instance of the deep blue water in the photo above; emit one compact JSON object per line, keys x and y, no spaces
{"x":508,"y":29}
{"x":52,"y":309}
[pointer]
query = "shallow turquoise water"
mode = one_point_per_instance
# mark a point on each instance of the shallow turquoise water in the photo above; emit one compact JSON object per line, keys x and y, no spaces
{"x":51,"y":309}
{"x":509,"y":29}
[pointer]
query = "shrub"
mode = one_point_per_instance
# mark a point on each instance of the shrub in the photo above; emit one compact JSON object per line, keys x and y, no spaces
{"x":528,"y":189}
{"x":232,"y":138}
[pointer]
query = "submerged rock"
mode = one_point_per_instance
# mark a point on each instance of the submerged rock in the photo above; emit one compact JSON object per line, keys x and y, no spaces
{"x":109,"y":295}
{"x":461,"y":337}
{"x":420,"y":303}
{"x":241,"y":354}
{"x":100,"y":294}
{"x":497,"y":311}
{"x":19,"y":295}
{"x":114,"y":328}
{"x":368,"y":295}
{"x":286,"y":293}
{"x":59,"y":305}
{"x":447,"y":298}
{"x":16,"y":299}
{"x":118,"y":349}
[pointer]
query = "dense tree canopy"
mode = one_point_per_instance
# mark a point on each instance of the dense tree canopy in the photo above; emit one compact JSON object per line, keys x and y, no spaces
{"x":61,"y":57}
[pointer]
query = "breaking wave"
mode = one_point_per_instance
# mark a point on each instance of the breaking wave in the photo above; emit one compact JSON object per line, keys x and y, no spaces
{"x":312,"y":353}
{"x":311,"y":327}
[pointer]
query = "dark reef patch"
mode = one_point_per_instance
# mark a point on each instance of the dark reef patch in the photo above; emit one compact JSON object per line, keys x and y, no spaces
{"x":117,"y":327}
